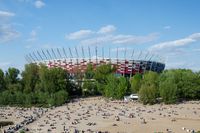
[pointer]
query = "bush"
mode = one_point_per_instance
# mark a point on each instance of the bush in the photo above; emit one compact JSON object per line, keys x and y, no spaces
{"x":116,"y":87}
{"x":89,"y":88}
{"x":136,"y":83}
{"x":60,"y":97}
{"x":148,"y":94}
{"x":149,"y":88}
{"x":168,"y":91}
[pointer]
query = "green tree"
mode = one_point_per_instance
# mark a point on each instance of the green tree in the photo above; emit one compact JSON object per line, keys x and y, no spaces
{"x":30,"y":77}
{"x":60,"y":97}
{"x":111,"y":86}
{"x":89,"y":73}
{"x":12,"y":76}
{"x":89,"y":85}
{"x":149,"y":88}
{"x":2,"y":81}
{"x":122,"y":87}
{"x":53,"y":79}
{"x":89,"y":88}
{"x":116,"y":87}
{"x":168,"y":88}
{"x":136,"y":83}
{"x":101,"y":76}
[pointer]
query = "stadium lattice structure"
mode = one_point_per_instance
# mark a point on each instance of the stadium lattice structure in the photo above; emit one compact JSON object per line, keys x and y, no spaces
{"x":77,"y":60}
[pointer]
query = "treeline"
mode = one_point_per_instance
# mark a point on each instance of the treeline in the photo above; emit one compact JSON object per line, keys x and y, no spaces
{"x":36,"y":85}
{"x":41,"y":86}
{"x":169,"y":87}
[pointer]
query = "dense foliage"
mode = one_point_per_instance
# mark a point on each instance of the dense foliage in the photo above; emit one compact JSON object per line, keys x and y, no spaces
{"x":41,"y":86}
{"x":38,"y":85}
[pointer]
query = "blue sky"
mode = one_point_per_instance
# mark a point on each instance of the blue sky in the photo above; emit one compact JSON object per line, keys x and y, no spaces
{"x":168,"y":28}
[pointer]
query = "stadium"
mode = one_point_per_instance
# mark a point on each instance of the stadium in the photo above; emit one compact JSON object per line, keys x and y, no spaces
{"x":76,"y":60}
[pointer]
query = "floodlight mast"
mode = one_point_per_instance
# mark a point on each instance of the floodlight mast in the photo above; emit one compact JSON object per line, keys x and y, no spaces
{"x":103,"y":54}
{"x":96,"y":54}
{"x":117,"y":59}
{"x":58,"y":51}
{"x":35,"y":56}
{"x":146,"y":61}
{"x":70,"y":52}
{"x":132,"y":63}
{"x":83,"y":58}
{"x":139,"y":59}
{"x":53,"y":54}
{"x":64,"y":53}
{"x":65,"y":62}
{"x":77,"y":58}
{"x":140,"y":55}
{"x":89,"y":54}
{"x":27,"y":59}
{"x":151,"y":61}
{"x":39,"y":55}
{"x":83,"y":52}
{"x":32,"y":57}
{"x":50,"y":58}
{"x":44,"y":55}
{"x":109,"y":56}
{"x":124,"y":62}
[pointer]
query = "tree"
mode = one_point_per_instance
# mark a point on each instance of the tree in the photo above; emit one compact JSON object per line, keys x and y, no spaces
{"x":148,"y":93}
{"x":53,"y":79}
{"x":168,"y":89}
{"x":2,"y":81}
{"x":13,"y":82}
{"x":101,"y":76}
{"x":111,"y":86}
{"x":30,"y":77}
{"x":149,"y":88}
{"x":136,"y":83}
{"x":116,"y":87}
{"x":12,"y":76}
{"x":89,"y":73}
{"x":60,"y":97}
{"x":122,"y":87}
{"x":89,"y":85}
{"x":89,"y":88}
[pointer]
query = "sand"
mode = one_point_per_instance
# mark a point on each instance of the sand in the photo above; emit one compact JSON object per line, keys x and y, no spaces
{"x":99,"y":114}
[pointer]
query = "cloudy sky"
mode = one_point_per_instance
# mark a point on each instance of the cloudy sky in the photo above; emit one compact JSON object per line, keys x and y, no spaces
{"x":170,"y":28}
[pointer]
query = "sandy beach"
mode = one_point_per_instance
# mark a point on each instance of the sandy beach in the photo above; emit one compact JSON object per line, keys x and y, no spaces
{"x":98,"y":114}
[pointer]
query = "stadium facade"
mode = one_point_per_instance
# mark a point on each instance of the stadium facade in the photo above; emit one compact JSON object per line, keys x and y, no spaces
{"x":75,"y":60}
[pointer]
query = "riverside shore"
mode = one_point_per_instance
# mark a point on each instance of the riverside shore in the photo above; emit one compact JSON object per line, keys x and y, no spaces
{"x":99,"y":114}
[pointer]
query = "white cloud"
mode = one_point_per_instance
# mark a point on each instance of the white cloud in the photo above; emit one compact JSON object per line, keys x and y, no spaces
{"x":131,"y":39}
{"x":195,"y":36}
{"x":107,"y":29}
{"x":119,"y":39}
{"x":79,"y":34}
{"x":6,"y":14}
{"x":33,"y":36}
{"x":176,"y":43}
{"x":167,"y":27}
{"x":39,"y":4}
{"x":105,"y":36}
{"x":97,"y":40}
{"x":8,"y":33}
